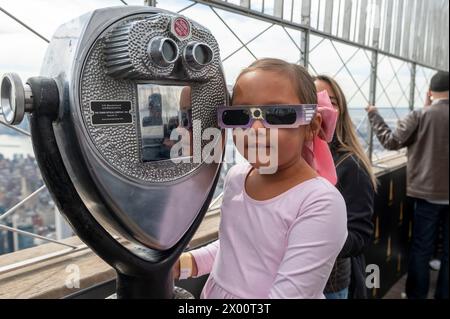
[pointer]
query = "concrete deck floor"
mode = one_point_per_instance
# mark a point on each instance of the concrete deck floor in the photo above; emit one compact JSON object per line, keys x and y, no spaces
{"x":398,"y":290}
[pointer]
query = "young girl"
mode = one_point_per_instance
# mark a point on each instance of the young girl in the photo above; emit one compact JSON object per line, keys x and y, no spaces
{"x":280,"y":233}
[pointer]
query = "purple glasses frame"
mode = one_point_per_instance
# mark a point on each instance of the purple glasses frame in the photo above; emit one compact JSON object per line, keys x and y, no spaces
{"x":304,"y":115}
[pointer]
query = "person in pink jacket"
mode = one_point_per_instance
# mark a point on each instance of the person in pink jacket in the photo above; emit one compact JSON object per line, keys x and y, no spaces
{"x":280,"y":233}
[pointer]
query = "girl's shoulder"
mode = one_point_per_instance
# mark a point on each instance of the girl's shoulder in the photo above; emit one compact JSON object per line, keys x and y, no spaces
{"x":320,"y":197}
{"x":237,"y":173}
{"x":315,"y":189}
{"x":234,"y":180}
{"x":320,"y":188}
{"x":317,"y":185}
{"x":238,"y":170}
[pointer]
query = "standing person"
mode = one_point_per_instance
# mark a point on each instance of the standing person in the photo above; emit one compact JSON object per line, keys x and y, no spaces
{"x":425,"y":134}
{"x":357,"y":184}
{"x":279,"y":233}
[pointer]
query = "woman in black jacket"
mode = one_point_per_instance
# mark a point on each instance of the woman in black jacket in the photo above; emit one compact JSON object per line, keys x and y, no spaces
{"x":357,"y":184}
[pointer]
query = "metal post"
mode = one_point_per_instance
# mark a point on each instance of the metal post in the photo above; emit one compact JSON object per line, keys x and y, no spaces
{"x":63,"y":230}
{"x":372,"y":97}
{"x":15,"y":229}
{"x":347,"y":20}
{"x":362,"y":22}
{"x":23,"y":201}
{"x":245,"y":4}
{"x":306,"y":21}
{"x":306,"y":41}
{"x":278,"y":9}
{"x":151,"y":3}
{"x":15,"y":234}
{"x":412,"y":89}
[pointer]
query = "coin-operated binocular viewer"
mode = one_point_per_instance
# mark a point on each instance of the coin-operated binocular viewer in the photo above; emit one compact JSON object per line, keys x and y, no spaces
{"x":114,"y":85}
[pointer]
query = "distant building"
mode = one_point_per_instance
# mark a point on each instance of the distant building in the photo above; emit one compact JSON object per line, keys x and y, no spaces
{"x":25,"y":241}
{"x":6,"y":238}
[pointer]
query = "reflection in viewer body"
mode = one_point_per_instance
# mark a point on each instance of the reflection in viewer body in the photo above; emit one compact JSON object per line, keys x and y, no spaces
{"x":185,"y":121}
{"x":158,"y":125}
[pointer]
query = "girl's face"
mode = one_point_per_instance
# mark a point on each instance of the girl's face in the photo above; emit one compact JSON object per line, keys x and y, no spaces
{"x":266,"y":88}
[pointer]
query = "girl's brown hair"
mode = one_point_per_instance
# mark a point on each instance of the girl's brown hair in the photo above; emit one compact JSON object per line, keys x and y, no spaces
{"x":345,"y":131}
{"x":303,"y":82}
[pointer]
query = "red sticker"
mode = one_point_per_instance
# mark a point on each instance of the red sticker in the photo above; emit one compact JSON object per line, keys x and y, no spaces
{"x":181,"y":28}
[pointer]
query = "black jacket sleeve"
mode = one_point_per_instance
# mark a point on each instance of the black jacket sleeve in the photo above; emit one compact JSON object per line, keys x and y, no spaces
{"x":356,"y":187}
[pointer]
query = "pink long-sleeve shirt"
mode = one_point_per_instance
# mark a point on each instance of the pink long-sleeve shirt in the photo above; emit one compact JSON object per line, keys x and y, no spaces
{"x":284,"y":247}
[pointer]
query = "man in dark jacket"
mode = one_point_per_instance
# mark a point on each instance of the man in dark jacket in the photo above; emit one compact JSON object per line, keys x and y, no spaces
{"x":425,"y":134}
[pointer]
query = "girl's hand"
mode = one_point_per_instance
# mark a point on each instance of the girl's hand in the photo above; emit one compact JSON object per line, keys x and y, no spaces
{"x":176,"y":270}
{"x":176,"y":267}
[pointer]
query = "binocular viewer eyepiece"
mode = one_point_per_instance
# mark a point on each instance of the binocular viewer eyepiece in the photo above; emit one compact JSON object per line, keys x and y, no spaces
{"x":111,"y":90}
{"x":197,"y":55}
{"x":165,"y":51}
{"x":16,"y":98}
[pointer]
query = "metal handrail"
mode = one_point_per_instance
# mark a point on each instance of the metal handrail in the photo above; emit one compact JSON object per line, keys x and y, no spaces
{"x":32,"y":261}
{"x":23,"y":201}
{"x":22,"y":232}
{"x":15,"y":128}
{"x":24,"y":25}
